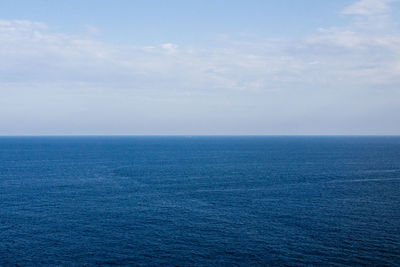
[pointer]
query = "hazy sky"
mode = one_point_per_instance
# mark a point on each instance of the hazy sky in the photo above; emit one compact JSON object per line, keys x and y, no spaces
{"x":199,"y":67}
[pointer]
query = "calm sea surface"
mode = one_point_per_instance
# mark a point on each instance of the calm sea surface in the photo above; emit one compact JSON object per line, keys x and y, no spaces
{"x":199,"y":201}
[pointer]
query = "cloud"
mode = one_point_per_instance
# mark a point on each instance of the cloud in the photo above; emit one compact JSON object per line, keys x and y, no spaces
{"x":91,"y":30}
{"x":367,"y":50}
{"x":31,"y":54}
{"x":368,"y":7}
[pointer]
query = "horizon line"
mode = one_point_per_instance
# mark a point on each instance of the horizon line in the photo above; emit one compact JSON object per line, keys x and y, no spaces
{"x":204,"y":135}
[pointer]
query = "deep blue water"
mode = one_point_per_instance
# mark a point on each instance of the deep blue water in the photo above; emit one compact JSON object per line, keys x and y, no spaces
{"x":199,"y":201}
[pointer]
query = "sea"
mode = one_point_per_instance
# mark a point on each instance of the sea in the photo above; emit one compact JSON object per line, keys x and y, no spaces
{"x":200,"y":201}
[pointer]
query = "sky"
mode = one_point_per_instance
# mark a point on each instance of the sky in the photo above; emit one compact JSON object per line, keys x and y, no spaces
{"x":200,"y":67}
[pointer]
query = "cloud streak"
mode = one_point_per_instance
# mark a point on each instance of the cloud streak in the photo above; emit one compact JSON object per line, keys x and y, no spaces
{"x":368,"y":7}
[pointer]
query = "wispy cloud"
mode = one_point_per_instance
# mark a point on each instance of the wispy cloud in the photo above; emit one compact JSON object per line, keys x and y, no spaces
{"x":368,"y":7}
{"x":30,"y":53}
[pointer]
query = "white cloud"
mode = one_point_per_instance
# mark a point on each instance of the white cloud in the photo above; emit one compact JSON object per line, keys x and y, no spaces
{"x":31,"y":54}
{"x":367,"y":50}
{"x":368,"y":7}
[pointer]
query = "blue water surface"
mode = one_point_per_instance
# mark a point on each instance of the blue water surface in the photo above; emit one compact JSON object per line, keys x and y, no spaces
{"x":199,"y":201}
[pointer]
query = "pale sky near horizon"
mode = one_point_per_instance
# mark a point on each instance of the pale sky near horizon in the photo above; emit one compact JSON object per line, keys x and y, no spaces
{"x":122,"y":67}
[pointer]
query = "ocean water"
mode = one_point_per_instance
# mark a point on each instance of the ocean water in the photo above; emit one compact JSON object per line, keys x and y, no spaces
{"x":200,"y":201}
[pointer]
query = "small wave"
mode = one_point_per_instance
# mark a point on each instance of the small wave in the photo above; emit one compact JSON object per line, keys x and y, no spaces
{"x":364,"y":180}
